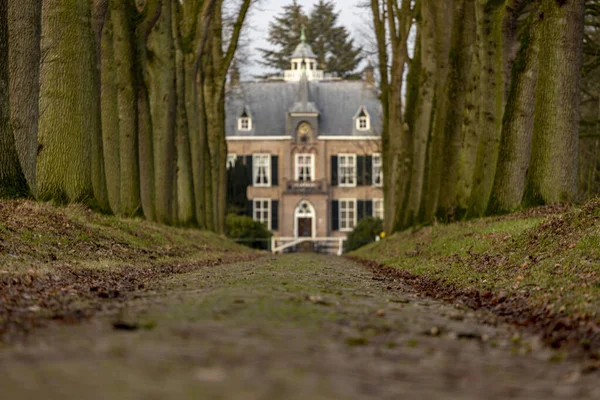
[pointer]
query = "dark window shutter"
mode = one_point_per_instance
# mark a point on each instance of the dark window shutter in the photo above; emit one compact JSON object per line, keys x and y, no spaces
{"x":250,"y":208}
{"x":360,"y":213}
{"x":370,"y":208}
{"x":249,"y":169}
{"x":275,"y":215}
{"x":360,"y":170}
{"x":334,"y":170}
{"x":368,"y":170}
{"x":274,"y":170}
{"x":335,"y":215}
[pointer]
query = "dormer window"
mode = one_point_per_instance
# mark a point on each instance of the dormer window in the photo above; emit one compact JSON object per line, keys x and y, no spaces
{"x":245,"y":122}
{"x":363,"y":122}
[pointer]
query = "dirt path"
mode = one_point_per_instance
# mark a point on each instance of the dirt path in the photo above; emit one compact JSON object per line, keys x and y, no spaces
{"x":293,"y":327}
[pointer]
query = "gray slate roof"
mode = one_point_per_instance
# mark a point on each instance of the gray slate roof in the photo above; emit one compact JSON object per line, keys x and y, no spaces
{"x":337,"y":102}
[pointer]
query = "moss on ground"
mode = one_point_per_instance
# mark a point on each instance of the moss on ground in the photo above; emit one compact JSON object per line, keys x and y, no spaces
{"x":553,"y":260}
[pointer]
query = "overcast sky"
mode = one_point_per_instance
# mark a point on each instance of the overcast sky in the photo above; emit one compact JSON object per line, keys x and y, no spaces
{"x":352,"y":17}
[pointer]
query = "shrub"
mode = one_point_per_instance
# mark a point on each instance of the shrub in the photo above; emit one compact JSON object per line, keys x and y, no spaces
{"x":248,"y":232}
{"x":364,"y":233}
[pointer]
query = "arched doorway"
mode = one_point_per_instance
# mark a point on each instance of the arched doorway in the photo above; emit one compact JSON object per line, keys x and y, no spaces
{"x":305,"y":220}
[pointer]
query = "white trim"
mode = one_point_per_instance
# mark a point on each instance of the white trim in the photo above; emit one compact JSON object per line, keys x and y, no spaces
{"x":255,"y":170}
{"x":312,"y":166}
{"x":340,"y":184}
{"x":313,"y":216}
{"x":350,"y":137}
{"x":269,"y":210}
{"x":373,"y":169}
{"x":261,"y":138}
{"x":313,"y":114}
{"x":347,"y":229}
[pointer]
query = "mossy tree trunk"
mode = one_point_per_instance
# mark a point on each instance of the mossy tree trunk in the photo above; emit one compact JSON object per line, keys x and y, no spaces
{"x":68,"y":102}
{"x":163,"y":106}
{"x":552,"y":176}
{"x":99,"y":13}
{"x":463,"y":42}
{"x":470,"y":138}
{"x":185,"y":183}
{"x":24,"y":25}
{"x":147,"y":19}
{"x":123,"y":14}
{"x":517,"y":127}
{"x":490,"y":17}
{"x":110,"y":118}
{"x":424,"y":110}
{"x":444,"y":19}
{"x":12,"y":179}
{"x":214,"y":70}
{"x":393,"y":22}
{"x":195,"y":29}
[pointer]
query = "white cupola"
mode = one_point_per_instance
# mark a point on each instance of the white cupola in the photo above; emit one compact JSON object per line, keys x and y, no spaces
{"x":303,"y":60}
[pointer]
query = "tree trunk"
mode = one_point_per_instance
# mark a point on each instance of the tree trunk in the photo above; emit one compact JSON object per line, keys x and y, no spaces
{"x":444,"y":18}
{"x":68,"y":102}
{"x":12,"y":179}
{"x":185,"y":186}
{"x":151,"y":14}
{"x":193,"y":110}
{"x":24,"y":25}
{"x":424,"y":111}
{"x":552,"y":174}
{"x":517,"y":128}
{"x":163,"y":105}
{"x":121,"y":15}
{"x":205,"y":152}
{"x":110,"y":119}
{"x":490,"y":18}
{"x":99,"y":11}
{"x":463,"y":42}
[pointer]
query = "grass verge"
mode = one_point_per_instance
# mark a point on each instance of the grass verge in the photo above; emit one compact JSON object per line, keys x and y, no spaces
{"x":66,"y":263}
{"x":535,"y":269}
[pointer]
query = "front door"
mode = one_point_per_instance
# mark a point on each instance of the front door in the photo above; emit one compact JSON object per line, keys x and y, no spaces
{"x":304,"y":227}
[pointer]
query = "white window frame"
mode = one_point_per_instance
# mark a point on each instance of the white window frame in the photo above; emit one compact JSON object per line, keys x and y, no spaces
{"x":255,"y":166}
{"x":311,"y":166}
{"x":378,"y":208}
{"x":345,"y":224}
{"x":231,"y":160}
{"x":341,"y":175}
{"x":261,"y":210}
{"x":374,"y":173}
{"x":245,"y":124}
{"x":360,"y":121}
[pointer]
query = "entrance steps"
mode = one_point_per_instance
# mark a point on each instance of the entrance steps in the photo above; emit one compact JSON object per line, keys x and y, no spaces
{"x":324,"y":245}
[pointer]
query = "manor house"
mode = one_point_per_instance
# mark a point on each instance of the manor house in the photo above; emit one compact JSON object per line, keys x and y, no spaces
{"x":312,"y":143}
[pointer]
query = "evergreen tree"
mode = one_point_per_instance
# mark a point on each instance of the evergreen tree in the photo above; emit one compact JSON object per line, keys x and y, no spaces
{"x":284,"y":34}
{"x":335,"y":50}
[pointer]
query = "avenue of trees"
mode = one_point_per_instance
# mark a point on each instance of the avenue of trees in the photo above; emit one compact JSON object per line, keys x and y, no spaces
{"x":118,"y":104}
{"x":491,"y":117}
{"x":331,"y":42}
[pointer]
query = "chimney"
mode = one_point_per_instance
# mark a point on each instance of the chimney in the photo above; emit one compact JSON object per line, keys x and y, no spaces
{"x":234,"y":75}
{"x":369,"y":74}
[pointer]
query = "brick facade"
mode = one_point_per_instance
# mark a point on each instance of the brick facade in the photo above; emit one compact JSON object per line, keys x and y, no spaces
{"x":289,"y":196}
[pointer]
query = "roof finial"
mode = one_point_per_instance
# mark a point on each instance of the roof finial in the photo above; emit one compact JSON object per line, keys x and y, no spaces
{"x":303,"y":34}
